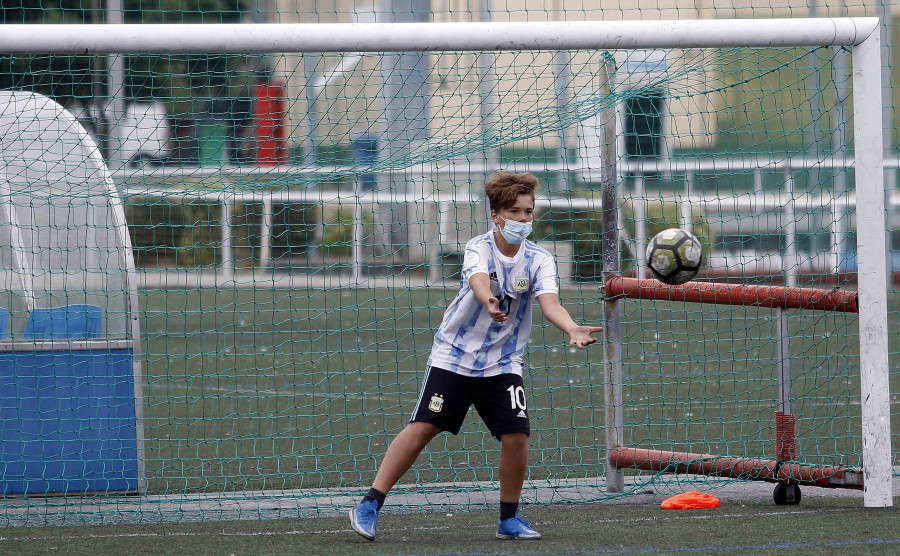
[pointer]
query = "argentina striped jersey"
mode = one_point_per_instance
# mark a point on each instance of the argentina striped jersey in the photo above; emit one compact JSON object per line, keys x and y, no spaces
{"x":468,"y":341}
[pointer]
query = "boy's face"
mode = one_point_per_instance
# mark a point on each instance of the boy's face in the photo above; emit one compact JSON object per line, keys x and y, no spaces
{"x":521,"y":211}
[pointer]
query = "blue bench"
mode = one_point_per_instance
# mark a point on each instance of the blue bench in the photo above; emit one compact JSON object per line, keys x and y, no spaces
{"x":65,"y":323}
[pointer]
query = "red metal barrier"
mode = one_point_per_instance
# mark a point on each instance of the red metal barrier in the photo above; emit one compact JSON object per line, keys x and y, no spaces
{"x":733,"y":294}
{"x":736,"y":468}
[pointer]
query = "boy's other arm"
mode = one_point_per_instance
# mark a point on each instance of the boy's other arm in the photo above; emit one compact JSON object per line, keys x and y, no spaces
{"x":579,"y":336}
{"x":481,"y":287}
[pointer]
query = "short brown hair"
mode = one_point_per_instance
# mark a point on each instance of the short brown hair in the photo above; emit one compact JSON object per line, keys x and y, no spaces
{"x":504,"y":188}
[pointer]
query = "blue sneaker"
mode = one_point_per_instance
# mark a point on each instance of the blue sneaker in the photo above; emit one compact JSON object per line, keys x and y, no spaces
{"x":364,"y":517}
{"x":516,"y":528}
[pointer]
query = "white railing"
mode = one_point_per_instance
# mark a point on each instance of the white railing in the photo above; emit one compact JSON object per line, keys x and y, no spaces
{"x":755,"y":201}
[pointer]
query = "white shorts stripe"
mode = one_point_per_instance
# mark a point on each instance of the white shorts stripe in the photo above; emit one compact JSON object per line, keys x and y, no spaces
{"x":421,"y":394}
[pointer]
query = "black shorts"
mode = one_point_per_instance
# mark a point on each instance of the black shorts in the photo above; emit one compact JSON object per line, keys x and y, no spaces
{"x":500,"y":401}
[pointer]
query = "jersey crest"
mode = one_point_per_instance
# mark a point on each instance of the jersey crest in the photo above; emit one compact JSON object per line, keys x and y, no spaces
{"x":521,"y":283}
{"x":436,"y":403}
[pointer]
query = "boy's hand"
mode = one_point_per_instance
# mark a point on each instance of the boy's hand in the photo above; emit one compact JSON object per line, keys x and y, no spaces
{"x":580,"y":336}
{"x":493,"y":308}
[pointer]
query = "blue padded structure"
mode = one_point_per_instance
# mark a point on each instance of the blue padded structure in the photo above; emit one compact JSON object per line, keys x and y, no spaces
{"x":65,"y":323}
{"x":4,"y":323}
{"x":67,"y":422}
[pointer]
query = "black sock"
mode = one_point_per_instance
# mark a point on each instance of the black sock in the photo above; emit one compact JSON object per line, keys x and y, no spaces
{"x":508,"y":509}
{"x":375,"y":495}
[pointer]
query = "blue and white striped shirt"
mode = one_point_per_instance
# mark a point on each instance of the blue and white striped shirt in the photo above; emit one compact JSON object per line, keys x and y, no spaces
{"x":469,"y":342}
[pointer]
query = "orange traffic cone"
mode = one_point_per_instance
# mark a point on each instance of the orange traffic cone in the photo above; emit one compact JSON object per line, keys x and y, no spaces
{"x":690,"y":500}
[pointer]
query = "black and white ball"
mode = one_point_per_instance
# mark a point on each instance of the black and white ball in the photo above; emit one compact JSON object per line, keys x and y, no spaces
{"x":674,"y":256}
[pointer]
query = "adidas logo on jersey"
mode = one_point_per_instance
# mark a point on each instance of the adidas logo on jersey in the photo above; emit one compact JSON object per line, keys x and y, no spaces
{"x":522,"y":414}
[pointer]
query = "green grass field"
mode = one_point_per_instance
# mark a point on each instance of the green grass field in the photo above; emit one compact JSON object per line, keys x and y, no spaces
{"x":290,"y":398}
{"x":276,"y":389}
{"x":741,"y":527}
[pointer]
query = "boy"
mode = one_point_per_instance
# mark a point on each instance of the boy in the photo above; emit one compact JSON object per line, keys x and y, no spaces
{"x":476,"y":358}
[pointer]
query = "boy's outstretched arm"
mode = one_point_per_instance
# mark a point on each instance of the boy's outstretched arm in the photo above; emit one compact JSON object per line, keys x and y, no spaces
{"x":481,"y":287}
{"x":579,"y":335}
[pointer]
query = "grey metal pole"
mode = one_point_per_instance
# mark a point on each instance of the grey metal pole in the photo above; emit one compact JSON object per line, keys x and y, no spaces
{"x":841,"y":148}
{"x":612,"y":311}
{"x":115,"y":108}
{"x":488,"y":105}
{"x":310,"y":63}
{"x":640,"y":225}
{"x":265,"y":235}
{"x":790,"y":261}
{"x":783,"y":352}
{"x":405,"y":118}
{"x":226,"y":263}
{"x":563,"y":97}
{"x":887,"y":103}
{"x":815,"y":103}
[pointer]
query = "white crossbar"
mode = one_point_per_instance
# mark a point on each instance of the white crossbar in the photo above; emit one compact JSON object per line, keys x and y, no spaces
{"x":425,"y":37}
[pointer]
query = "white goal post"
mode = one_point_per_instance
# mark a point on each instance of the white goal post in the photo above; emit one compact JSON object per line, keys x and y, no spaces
{"x":859,"y":34}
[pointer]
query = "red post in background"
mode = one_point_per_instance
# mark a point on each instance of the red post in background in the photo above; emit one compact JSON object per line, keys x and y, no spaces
{"x":269,"y":112}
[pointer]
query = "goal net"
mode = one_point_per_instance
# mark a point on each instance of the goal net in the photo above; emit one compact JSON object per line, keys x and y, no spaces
{"x":298,"y":198}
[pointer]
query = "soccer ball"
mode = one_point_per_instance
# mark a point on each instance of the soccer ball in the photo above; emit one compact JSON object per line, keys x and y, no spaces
{"x":674,"y":256}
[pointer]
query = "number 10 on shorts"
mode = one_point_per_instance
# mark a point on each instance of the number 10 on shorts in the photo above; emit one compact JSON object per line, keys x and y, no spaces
{"x":516,"y":397}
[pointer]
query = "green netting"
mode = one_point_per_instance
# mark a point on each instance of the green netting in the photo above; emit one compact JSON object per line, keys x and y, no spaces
{"x":297,"y":224}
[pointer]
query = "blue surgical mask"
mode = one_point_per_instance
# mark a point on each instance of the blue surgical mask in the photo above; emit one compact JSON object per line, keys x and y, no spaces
{"x":515,"y":232}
